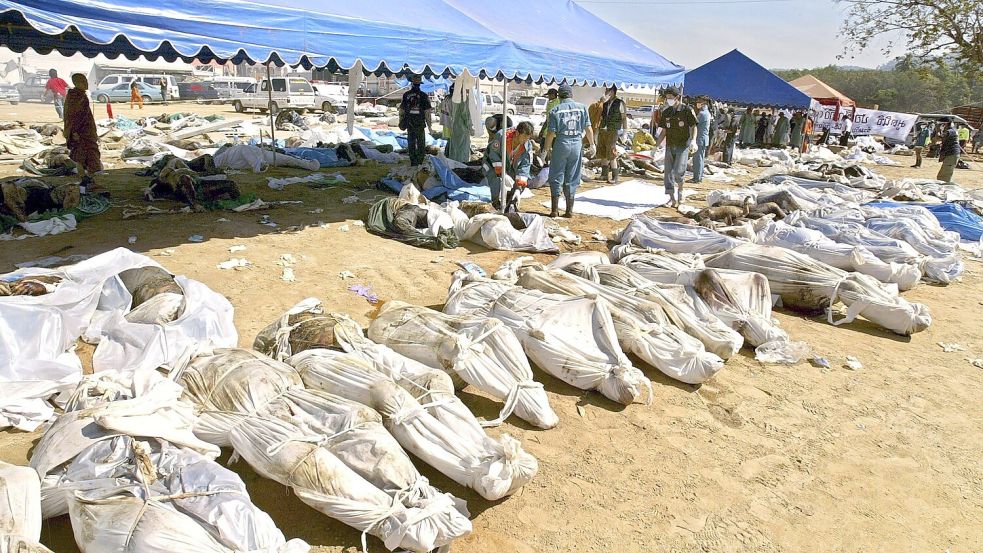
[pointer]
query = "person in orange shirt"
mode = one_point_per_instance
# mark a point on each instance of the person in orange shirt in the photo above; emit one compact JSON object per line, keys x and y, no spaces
{"x":807,"y":134}
{"x":135,"y":96}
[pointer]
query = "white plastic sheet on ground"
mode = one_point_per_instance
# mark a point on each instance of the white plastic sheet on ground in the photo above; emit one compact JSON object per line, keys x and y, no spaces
{"x":647,"y":232}
{"x":38,"y":333}
{"x":572,"y":339}
{"x":20,"y":510}
{"x":248,"y":156}
{"x":642,"y":326}
{"x":810,"y":285}
{"x":842,"y":256}
{"x":454,"y":444}
{"x":333,"y":452}
{"x":481,"y":351}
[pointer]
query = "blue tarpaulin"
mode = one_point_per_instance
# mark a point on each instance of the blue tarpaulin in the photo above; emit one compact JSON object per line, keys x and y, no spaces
{"x":424,"y":36}
{"x":429,"y":85}
{"x":952,"y":217}
{"x":327,"y":157}
{"x":454,"y":187}
{"x":737,"y":79}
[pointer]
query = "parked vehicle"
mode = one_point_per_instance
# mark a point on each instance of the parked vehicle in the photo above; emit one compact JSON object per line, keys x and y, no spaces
{"x":925,"y":119}
{"x":9,"y":93}
{"x":330,"y":98}
{"x":493,"y":104}
{"x":197,"y":91}
{"x":229,"y":88}
{"x":121,"y":93}
{"x":641,"y":112}
{"x":528,"y":105}
{"x":293,"y":93}
{"x":33,"y":88}
{"x":110,"y":81}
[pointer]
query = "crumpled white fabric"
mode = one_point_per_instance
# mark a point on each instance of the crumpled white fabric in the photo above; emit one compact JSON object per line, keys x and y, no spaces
{"x":52,"y":226}
{"x":248,"y":156}
{"x":647,"y":232}
{"x":20,"y":510}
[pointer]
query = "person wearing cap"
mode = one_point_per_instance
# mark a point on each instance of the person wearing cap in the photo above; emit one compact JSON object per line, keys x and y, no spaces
{"x":949,"y":152}
{"x":566,"y":127}
{"x":678,"y":127}
{"x":552,"y":99}
{"x":519,"y":146}
{"x":614,"y":121}
{"x":702,"y":138}
{"x":414,"y":118}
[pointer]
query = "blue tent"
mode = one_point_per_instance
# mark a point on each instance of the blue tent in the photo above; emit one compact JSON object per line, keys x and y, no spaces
{"x":737,"y":79}
{"x":434,"y":37}
{"x":429,"y":85}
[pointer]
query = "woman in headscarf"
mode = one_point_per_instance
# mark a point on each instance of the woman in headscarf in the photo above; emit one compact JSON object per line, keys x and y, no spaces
{"x":80,"y":130}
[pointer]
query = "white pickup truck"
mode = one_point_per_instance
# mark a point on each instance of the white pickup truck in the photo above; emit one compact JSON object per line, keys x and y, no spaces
{"x":294,"y":93}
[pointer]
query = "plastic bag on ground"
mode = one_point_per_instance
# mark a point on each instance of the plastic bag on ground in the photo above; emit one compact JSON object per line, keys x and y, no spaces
{"x":458,"y":448}
{"x":809,"y":285}
{"x":647,"y":232}
{"x":481,"y":351}
{"x":781,"y":351}
{"x":642,"y":326}
{"x":572,"y":339}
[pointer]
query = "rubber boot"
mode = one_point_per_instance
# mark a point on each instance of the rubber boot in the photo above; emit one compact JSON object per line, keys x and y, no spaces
{"x":568,"y":197}
{"x":554,"y":205}
{"x":604,"y":173}
{"x":616,"y":173}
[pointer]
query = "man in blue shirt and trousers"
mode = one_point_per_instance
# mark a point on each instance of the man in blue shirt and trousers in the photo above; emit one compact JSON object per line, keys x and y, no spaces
{"x":566,"y":126}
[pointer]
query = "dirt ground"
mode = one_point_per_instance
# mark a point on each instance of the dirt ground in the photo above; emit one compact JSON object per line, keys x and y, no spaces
{"x":762,"y":458}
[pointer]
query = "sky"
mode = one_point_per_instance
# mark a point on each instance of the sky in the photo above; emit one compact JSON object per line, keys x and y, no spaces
{"x":778,"y":34}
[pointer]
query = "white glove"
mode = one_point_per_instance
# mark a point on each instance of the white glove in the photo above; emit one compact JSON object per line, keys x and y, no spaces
{"x":591,"y":151}
{"x":692,"y":146}
{"x":621,"y":132}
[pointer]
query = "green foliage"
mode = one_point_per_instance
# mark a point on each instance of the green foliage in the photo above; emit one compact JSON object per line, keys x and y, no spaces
{"x":909,"y":87}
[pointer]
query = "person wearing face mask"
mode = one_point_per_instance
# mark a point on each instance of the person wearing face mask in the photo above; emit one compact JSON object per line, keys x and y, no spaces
{"x":614,"y":121}
{"x":702,"y":138}
{"x":518,"y":165}
{"x":414,"y":118}
{"x":677,"y":126}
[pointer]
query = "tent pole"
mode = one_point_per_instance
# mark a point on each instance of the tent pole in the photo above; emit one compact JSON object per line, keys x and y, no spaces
{"x":269,"y":105}
{"x":505,"y":126}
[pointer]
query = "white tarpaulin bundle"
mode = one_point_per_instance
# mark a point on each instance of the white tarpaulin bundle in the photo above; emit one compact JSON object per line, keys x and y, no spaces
{"x":572,"y":339}
{"x":806,"y":284}
{"x":238,"y":391}
{"x":741,"y":299}
{"x":891,"y":250}
{"x":684,"y":310}
{"x":647,"y":232}
{"x":38,"y":333}
{"x":929,"y":241}
{"x":248,"y":156}
{"x":479,"y":350}
{"x":135,"y":479}
{"x":842,"y":256}
{"x":453,"y":443}
{"x":643,"y":327}
{"x":20,"y":510}
{"x":495,"y":231}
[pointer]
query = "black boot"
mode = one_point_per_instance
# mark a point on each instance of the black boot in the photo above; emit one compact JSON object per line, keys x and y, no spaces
{"x":555,"y":205}
{"x":604,"y":173}
{"x":616,"y":173}
{"x":568,"y":197}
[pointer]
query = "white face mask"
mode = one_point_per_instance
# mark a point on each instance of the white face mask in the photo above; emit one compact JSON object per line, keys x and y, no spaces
{"x":671,"y":102}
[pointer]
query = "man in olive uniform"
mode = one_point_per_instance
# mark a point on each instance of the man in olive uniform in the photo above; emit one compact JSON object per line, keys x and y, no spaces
{"x":414,"y":118}
{"x":678,"y":127}
{"x":566,"y":127}
{"x":614,"y":121}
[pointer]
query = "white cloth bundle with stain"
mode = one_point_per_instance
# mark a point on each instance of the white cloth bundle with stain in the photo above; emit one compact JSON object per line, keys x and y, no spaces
{"x":454,"y":443}
{"x":687,"y":312}
{"x":479,"y":350}
{"x":572,"y":339}
{"x":642,"y":326}
{"x":809,"y":285}
{"x":20,"y":510}
{"x":647,"y":232}
{"x":239,"y":390}
{"x":842,"y":256}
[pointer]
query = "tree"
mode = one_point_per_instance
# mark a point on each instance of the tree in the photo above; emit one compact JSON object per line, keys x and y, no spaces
{"x":934,"y":30}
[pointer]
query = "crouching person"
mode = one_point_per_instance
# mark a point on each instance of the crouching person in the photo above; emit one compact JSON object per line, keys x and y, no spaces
{"x":519,"y":146}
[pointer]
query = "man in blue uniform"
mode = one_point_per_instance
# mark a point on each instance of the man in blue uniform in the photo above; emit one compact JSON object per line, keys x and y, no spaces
{"x":518,"y":145}
{"x":702,"y":138}
{"x":678,"y":126}
{"x":414,"y":118}
{"x":566,"y":127}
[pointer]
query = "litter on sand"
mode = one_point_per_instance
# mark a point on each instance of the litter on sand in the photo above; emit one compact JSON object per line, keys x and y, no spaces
{"x":234,"y":263}
{"x":949,"y":348}
{"x":853,"y":363}
{"x":345,"y":275}
{"x":196,"y":238}
{"x":365,"y":292}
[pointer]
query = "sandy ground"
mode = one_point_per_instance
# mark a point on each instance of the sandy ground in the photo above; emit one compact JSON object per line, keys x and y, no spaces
{"x":762,"y":458}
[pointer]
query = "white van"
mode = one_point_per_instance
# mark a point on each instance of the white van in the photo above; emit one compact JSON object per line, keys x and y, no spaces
{"x":294,"y":93}
{"x":147,"y":78}
{"x":493,"y":104}
{"x":231,"y":87}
